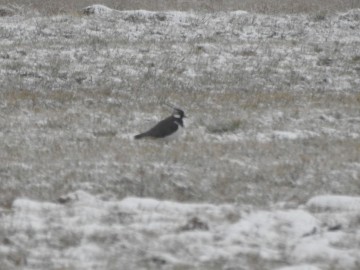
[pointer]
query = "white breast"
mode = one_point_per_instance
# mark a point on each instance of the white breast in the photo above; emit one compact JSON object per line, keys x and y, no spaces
{"x":179,"y":132}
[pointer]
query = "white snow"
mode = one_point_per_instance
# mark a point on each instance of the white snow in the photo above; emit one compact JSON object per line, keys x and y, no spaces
{"x":176,"y":233}
{"x":98,"y":10}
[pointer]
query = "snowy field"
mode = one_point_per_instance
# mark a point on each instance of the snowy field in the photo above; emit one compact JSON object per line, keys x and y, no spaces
{"x":265,"y":176}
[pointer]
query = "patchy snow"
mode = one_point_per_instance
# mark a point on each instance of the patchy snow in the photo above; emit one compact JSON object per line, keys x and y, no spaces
{"x":75,"y":89}
{"x":322,"y":250}
{"x":293,"y":135}
{"x":97,"y":10}
{"x":138,"y":229}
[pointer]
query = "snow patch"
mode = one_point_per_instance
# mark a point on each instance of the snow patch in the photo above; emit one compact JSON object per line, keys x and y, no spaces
{"x":97,"y":10}
{"x":239,"y":12}
{"x":269,"y":227}
{"x":168,"y":232}
{"x":321,"y":249}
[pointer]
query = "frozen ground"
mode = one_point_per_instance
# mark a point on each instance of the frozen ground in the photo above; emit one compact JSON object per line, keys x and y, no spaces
{"x":274,"y":122}
{"x":86,"y":232}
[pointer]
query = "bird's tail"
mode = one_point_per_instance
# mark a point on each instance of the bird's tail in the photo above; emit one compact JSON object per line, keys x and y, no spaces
{"x":139,"y":136}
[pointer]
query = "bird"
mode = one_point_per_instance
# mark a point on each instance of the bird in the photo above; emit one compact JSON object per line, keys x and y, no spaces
{"x":166,"y":128}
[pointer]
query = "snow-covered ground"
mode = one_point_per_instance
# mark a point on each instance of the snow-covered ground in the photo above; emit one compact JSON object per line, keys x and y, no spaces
{"x":266,"y":175}
{"x":86,"y":232}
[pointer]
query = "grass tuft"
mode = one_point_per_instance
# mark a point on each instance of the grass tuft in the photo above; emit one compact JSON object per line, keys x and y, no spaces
{"x":225,"y":126}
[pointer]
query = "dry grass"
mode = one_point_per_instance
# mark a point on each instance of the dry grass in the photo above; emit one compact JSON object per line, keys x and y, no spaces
{"x":273,"y":114}
{"x":71,"y":113}
{"x":82,"y":148}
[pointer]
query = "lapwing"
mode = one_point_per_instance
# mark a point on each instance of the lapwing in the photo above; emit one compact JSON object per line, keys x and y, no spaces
{"x":166,"y":128}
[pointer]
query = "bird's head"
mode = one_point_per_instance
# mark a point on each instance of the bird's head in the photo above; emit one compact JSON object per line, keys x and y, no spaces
{"x":177,"y":113}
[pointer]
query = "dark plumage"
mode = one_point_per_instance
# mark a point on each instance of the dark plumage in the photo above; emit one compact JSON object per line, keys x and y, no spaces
{"x":165,"y":127}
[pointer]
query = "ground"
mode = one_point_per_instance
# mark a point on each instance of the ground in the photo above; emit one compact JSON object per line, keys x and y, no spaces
{"x":265,"y":176}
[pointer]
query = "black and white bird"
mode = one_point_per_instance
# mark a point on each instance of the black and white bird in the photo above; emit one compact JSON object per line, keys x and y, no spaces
{"x":166,"y":128}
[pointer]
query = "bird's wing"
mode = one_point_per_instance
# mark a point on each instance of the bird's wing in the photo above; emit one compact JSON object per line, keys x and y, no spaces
{"x":163,"y":128}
